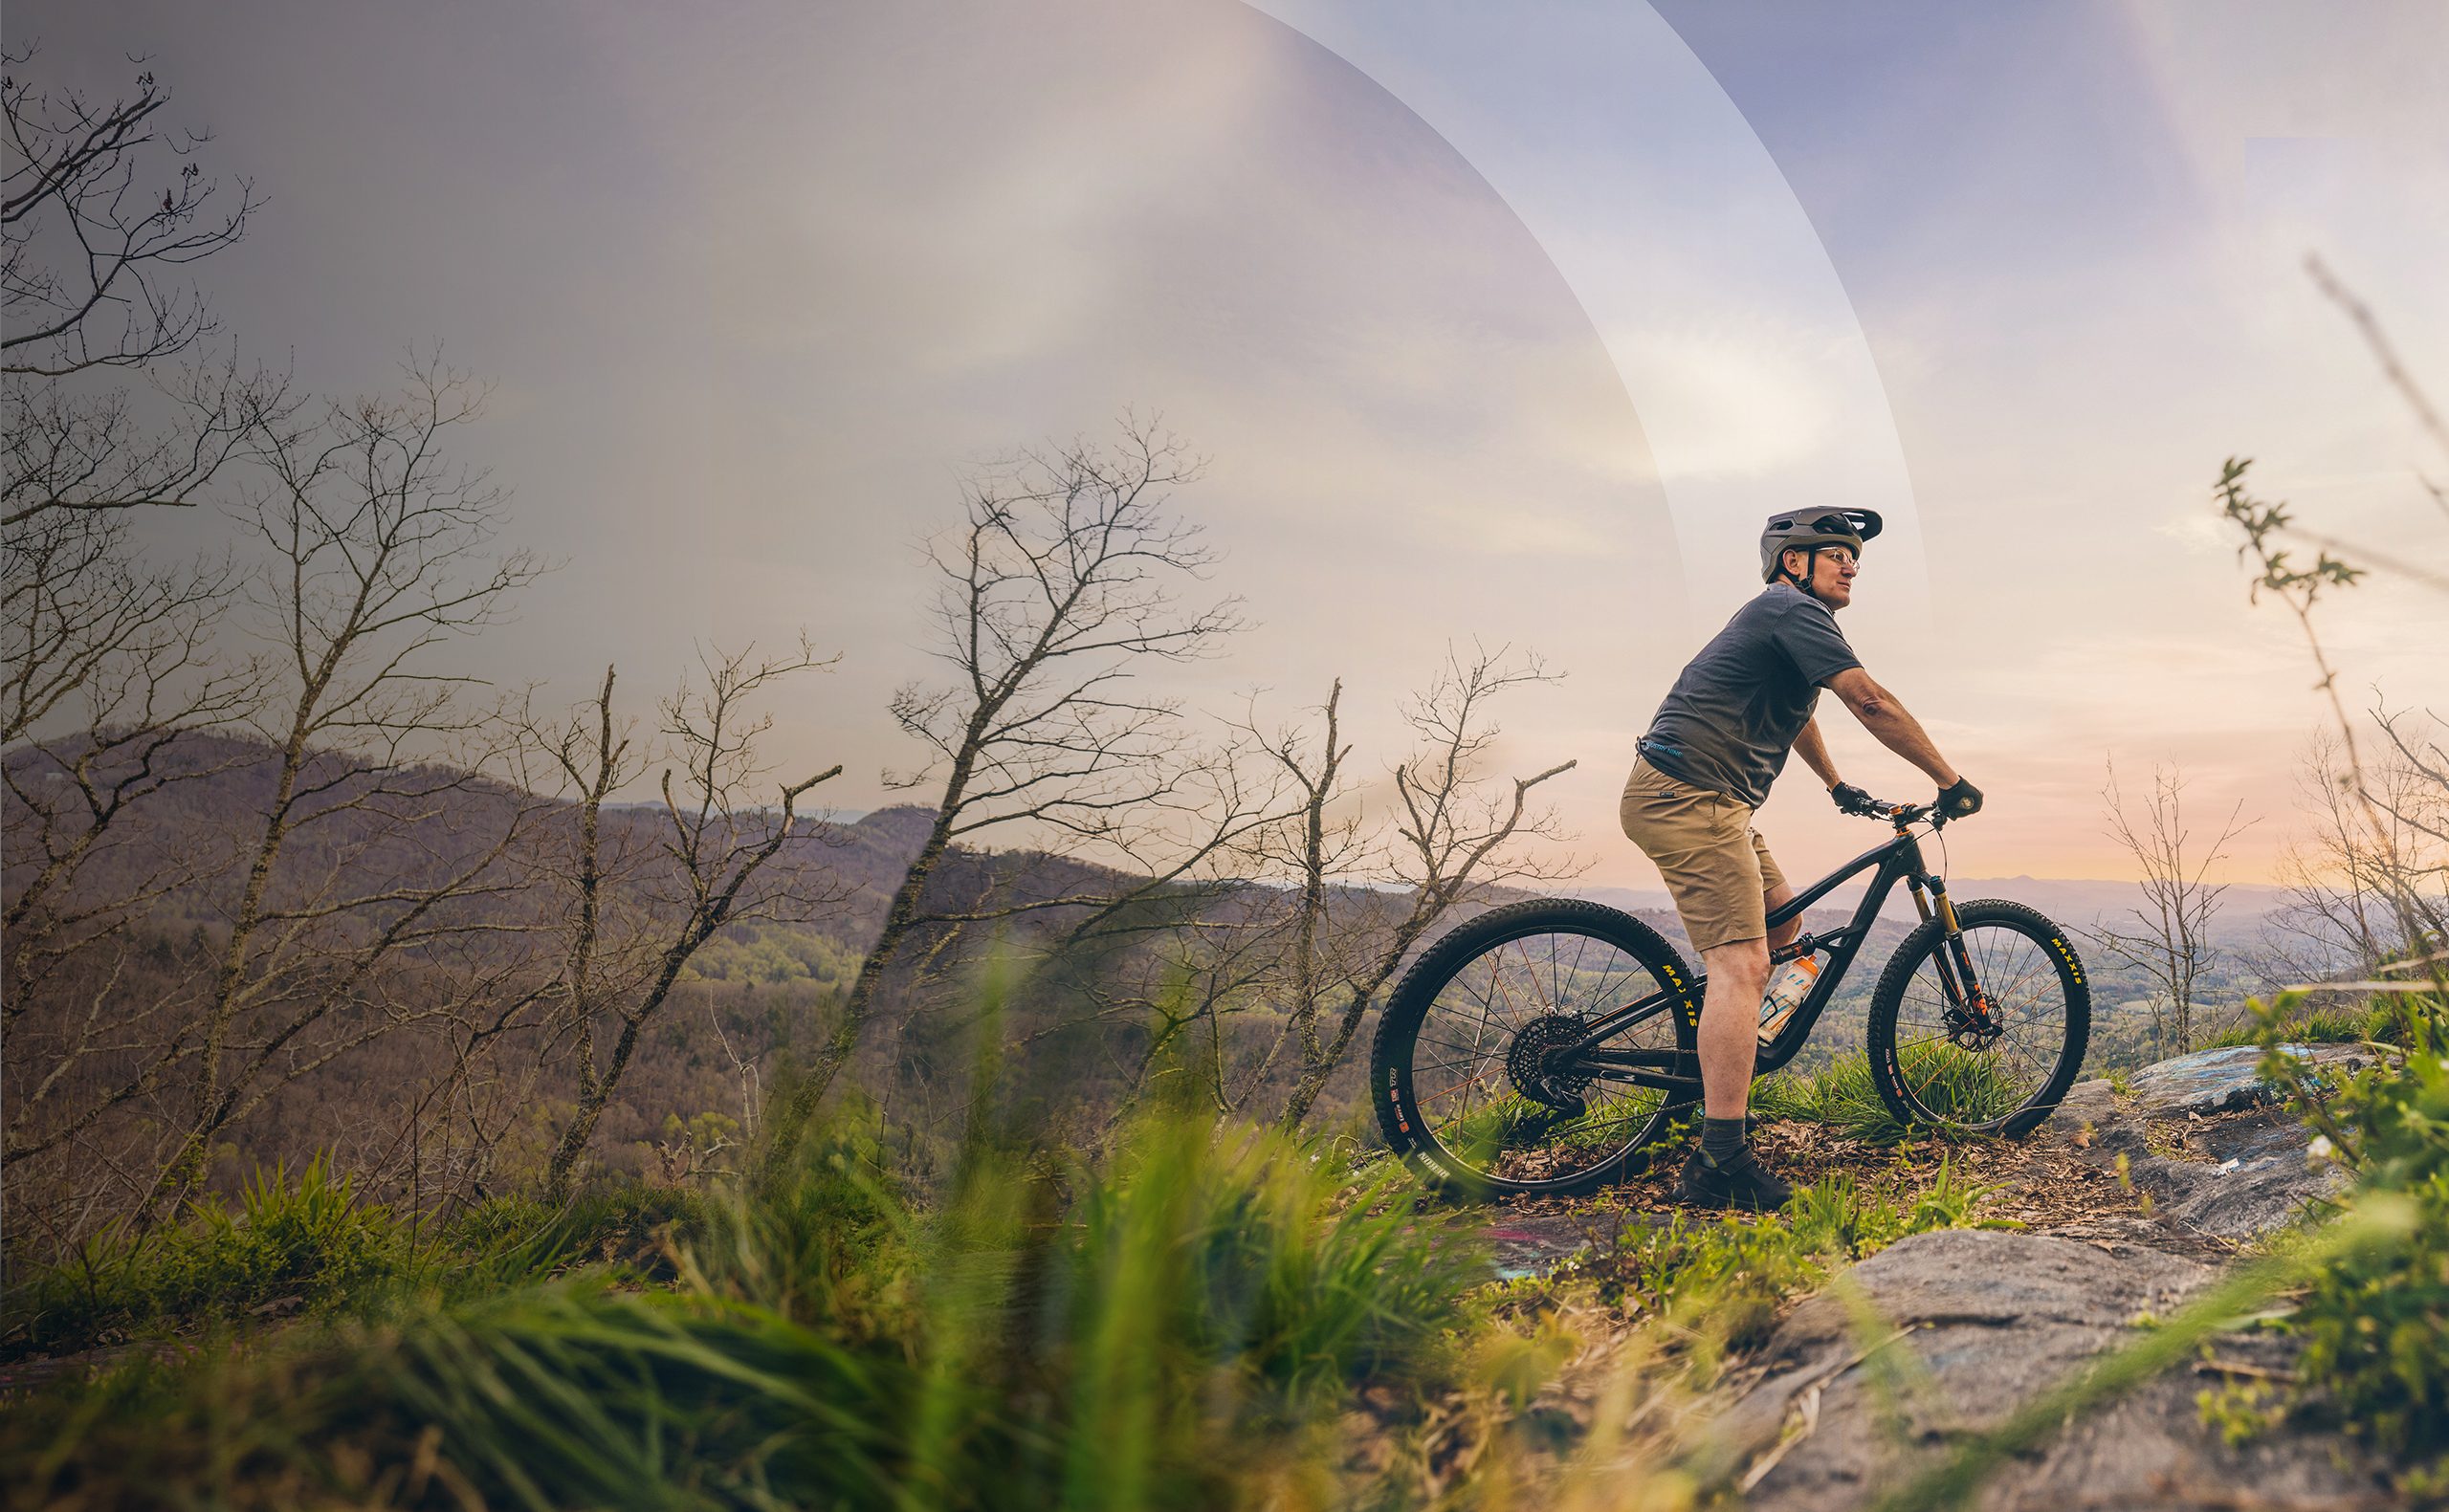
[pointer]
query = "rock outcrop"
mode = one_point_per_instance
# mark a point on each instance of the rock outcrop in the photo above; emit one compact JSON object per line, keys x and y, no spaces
{"x":1949,"y":1333}
{"x":2224,"y":1081}
{"x":2252,"y":1175}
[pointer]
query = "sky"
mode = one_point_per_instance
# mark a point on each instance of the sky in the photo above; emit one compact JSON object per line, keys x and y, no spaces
{"x":1497,"y":324}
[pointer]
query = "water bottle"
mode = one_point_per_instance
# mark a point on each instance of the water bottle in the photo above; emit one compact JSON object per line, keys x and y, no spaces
{"x":1786,"y":994}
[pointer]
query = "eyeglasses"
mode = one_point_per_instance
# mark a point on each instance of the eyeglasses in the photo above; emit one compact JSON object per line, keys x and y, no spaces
{"x":1842,"y":555}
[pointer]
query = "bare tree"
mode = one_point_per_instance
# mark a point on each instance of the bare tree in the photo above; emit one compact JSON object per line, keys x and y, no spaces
{"x":1329,"y":902}
{"x":2169,"y":938}
{"x":643,"y":901}
{"x":381,"y":551}
{"x":1063,"y":577}
{"x":89,"y":630}
{"x":351,"y":906}
{"x":87,"y":280}
{"x":1315,"y":850}
{"x":92,"y":280}
{"x":103,"y":212}
{"x":2266,"y":527}
{"x":2416,"y":801}
{"x":1456,"y":835}
{"x":318,"y":948}
{"x":2340,"y":915}
{"x":112,"y":295}
{"x":126,"y":657}
{"x":455,"y":1126}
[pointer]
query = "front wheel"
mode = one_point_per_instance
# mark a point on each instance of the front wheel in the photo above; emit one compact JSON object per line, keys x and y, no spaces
{"x":1464,"y":1070}
{"x":1987,"y":1039}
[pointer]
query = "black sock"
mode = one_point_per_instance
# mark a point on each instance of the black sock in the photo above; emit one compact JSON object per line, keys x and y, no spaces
{"x":1721,"y":1140}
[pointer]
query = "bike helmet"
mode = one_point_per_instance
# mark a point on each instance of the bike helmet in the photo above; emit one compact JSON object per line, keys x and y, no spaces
{"x":1809,"y":529}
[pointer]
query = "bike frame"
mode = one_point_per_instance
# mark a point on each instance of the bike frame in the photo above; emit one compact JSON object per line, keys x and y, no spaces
{"x":1897,"y":860}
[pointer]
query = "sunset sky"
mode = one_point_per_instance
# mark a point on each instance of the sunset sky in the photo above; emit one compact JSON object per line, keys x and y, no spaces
{"x":1508,"y":323}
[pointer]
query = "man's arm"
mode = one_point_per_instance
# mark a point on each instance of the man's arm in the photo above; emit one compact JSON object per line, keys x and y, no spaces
{"x":1888,"y":720}
{"x":1814,"y":751}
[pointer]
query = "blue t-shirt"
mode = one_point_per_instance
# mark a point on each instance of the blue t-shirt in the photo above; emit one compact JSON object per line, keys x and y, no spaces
{"x":1729,"y":721}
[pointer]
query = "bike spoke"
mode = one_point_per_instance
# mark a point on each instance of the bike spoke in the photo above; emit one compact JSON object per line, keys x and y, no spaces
{"x":1944,"y":1069}
{"x":1559,"y":977}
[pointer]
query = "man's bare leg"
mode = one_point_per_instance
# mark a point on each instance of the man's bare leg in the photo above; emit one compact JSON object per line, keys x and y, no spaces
{"x":1773,"y":899}
{"x":1739,"y":973}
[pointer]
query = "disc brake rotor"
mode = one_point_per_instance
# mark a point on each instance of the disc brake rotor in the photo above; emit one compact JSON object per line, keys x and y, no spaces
{"x":1977,"y":1028}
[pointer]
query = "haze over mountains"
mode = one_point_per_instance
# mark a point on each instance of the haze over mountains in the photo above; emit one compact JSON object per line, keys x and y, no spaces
{"x":2079,"y":902}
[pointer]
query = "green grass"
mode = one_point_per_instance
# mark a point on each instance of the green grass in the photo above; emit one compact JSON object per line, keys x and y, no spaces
{"x":1175,"y":1325}
{"x":1719,"y":1282}
{"x":308,"y":1245}
{"x":2332,"y":1027}
{"x":285,"y":1243}
{"x":1956,"y":1084}
{"x":1161,"y":1328}
{"x":1187,"y":1320}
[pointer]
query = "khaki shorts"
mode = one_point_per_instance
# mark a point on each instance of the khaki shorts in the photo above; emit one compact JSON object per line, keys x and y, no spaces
{"x":1716,"y":866}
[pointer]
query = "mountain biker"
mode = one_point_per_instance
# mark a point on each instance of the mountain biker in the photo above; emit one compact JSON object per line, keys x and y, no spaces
{"x":1718,"y":740}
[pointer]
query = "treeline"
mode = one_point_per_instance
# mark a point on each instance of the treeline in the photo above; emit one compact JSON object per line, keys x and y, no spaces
{"x":456,"y":987}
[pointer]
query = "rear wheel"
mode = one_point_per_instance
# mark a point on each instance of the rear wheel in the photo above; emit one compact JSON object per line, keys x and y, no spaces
{"x":1999,"y":1066}
{"x":1464,"y":1072}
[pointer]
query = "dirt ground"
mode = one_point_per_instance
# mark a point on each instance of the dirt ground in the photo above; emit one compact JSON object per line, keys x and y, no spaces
{"x":2055,"y":1180}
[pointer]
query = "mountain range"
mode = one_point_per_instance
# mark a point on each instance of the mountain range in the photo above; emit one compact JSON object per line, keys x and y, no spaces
{"x":2081,"y":902}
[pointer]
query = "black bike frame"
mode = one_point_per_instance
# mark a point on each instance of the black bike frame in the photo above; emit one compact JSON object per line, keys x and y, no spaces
{"x":1898,"y":860}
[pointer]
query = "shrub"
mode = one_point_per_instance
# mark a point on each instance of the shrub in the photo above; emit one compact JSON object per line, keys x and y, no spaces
{"x":306,"y":1244}
{"x":2376,"y":1319}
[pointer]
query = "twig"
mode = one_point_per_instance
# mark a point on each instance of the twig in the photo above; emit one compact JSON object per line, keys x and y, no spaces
{"x":2242,"y":1368}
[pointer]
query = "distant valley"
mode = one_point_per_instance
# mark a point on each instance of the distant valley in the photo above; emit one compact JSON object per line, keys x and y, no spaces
{"x":2075,"y":902}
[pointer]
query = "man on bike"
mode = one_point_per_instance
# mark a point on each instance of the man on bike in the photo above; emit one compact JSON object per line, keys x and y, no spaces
{"x":1716,"y":743}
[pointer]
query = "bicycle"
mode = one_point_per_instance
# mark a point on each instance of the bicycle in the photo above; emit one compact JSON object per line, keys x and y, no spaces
{"x":1547,"y":1047}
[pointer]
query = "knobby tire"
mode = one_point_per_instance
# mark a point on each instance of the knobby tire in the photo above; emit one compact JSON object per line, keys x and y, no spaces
{"x":2009,"y":1086}
{"x":1438,"y":1065}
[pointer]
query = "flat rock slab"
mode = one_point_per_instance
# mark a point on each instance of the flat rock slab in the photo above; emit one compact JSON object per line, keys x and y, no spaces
{"x":1997,"y":1319}
{"x":2243,"y":1201}
{"x":2260,"y":1177}
{"x":2217,"y":1081}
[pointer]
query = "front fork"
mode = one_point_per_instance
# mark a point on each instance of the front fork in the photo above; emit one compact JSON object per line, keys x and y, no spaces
{"x":1968,"y":1006}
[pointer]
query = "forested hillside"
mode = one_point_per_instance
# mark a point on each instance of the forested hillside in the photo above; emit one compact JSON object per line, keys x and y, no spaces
{"x":443,"y":1067}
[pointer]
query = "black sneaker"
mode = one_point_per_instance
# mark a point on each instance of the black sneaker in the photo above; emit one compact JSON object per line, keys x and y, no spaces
{"x":1742,"y":1182}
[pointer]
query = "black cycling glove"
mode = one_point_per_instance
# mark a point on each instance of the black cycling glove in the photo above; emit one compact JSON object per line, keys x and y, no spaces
{"x":1850,"y":800}
{"x":1963,"y":800}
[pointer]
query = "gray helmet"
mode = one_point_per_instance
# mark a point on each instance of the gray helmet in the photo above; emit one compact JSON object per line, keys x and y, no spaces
{"x":1805,"y":530}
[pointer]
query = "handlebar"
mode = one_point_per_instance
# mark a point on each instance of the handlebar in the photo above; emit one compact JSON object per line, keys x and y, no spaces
{"x":1901,"y":813}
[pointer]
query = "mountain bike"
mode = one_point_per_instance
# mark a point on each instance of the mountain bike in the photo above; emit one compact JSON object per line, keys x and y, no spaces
{"x":1549,"y":1047}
